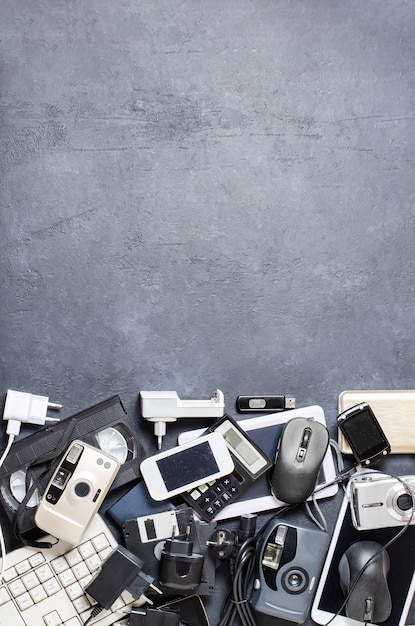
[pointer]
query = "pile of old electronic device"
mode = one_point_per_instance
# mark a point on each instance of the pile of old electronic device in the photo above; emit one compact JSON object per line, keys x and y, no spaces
{"x":176,"y":512}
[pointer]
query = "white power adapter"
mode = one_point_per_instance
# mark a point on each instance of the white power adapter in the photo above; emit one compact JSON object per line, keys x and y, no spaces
{"x":26,"y":408}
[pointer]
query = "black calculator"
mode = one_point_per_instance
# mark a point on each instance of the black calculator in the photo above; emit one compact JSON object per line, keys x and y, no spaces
{"x":250,"y":462}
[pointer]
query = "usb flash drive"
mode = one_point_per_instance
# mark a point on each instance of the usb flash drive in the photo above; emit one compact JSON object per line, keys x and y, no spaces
{"x":264,"y":404}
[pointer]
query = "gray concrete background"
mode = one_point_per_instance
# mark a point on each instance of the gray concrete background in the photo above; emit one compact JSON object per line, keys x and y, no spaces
{"x":202,"y":195}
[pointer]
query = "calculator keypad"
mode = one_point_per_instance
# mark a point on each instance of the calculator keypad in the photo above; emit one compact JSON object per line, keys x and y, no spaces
{"x":209,"y":498}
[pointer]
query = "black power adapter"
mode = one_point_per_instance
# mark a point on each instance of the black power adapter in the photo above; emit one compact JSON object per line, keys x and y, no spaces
{"x":180,"y":567}
{"x":121,"y":570}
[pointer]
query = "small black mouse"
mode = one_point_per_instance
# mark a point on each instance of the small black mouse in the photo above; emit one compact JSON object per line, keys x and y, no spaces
{"x":370,"y":600}
{"x":300,"y":453}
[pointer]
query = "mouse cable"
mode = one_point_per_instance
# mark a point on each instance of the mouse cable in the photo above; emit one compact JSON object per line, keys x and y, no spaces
{"x":383,"y":548}
{"x":319,"y":519}
{"x":343,"y":475}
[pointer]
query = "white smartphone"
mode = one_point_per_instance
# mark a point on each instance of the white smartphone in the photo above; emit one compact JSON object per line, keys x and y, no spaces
{"x":170,"y":473}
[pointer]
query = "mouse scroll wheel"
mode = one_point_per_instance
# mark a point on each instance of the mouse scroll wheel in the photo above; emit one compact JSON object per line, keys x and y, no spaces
{"x":306,"y":438}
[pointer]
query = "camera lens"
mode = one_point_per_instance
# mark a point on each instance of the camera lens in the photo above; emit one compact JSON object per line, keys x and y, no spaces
{"x":404,"y":502}
{"x":82,"y":490}
{"x":295,"y":580}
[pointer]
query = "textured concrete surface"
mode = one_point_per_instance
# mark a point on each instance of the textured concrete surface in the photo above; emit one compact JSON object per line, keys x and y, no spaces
{"x":207,"y":194}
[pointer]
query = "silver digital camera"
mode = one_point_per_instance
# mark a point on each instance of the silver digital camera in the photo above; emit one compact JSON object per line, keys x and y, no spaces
{"x":381,"y":501}
{"x":76,"y":491}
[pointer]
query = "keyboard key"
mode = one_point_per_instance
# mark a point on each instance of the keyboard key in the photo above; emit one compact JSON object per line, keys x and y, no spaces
{"x":104,"y":554}
{"x":84,"y":582}
{"x":85,"y":615}
{"x":38,"y":594}
{"x":127,"y":597}
{"x":44,"y":573}
{"x":80,"y":571}
{"x":100,"y":542}
{"x":73,"y":557}
{"x":23,"y":567}
{"x":67,"y":578}
{"x":117,"y":605}
{"x":74,"y":591}
{"x":82,"y":604}
{"x":4,"y":596}
{"x":30,"y":580}
{"x":52,"y":619}
{"x":60,"y":564}
{"x":94,"y":563}
{"x":9,"y":574}
{"x":16,"y":588}
{"x":10,"y":615}
{"x":74,"y":621}
{"x":51,"y":586}
{"x":24,"y":601}
{"x":36,"y":559}
{"x":86,"y":549}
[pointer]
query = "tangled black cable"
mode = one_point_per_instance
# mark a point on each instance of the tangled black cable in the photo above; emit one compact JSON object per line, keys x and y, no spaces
{"x":236,"y":603}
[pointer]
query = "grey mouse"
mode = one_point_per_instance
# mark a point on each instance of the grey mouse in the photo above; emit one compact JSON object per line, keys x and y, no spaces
{"x":370,"y":600}
{"x":300,"y":453}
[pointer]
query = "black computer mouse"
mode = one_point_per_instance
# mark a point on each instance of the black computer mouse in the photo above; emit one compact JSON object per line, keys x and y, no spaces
{"x":300,"y":453}
{"x":370,"y":600}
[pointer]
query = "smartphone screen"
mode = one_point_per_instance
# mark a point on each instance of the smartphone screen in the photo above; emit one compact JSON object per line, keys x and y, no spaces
{"x":187,"y":466}
{"x":364,"y":435}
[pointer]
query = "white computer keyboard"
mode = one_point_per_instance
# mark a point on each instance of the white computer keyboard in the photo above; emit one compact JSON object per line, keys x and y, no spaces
{"x":45,"y":587}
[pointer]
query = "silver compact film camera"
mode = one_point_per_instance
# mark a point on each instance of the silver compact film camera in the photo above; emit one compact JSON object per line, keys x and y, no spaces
{"x":381,"y":501}
{"x":76,"y":491}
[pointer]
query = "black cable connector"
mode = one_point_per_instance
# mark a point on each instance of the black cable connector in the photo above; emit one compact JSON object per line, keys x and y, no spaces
{"x":241,"y":566}
{"x":94,"y":613}
{"x":223,"y":543}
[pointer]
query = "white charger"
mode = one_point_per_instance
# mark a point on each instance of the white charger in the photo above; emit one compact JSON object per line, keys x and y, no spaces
{"x":161,"y":407}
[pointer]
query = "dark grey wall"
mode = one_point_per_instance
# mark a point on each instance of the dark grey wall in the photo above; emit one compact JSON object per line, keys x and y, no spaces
{"x":206,"y":194}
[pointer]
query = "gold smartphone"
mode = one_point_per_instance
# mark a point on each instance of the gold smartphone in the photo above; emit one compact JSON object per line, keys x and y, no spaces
{"x":395,"y":411}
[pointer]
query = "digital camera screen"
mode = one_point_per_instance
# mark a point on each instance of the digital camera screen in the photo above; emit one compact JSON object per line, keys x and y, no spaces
{"x":187,"y":466}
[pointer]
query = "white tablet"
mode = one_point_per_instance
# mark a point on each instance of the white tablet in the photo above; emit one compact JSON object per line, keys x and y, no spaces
{"x":329,"y":597}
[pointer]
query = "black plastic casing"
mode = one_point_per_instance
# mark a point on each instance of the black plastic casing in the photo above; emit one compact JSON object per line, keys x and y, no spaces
{"x":363,"y":433}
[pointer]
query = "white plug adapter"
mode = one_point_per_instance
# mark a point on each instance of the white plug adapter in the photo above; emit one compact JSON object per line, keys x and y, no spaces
{"x":26,"y":408}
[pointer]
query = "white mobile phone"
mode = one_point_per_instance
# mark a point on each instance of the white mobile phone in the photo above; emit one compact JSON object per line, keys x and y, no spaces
{"x":170,"y":473}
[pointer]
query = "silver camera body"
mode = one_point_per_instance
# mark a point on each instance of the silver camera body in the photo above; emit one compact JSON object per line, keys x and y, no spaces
{"x":76,"y":491}
{"x":380,"y":501}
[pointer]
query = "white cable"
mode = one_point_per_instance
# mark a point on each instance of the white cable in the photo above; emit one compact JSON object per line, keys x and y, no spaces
{"x":2,"y":542}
